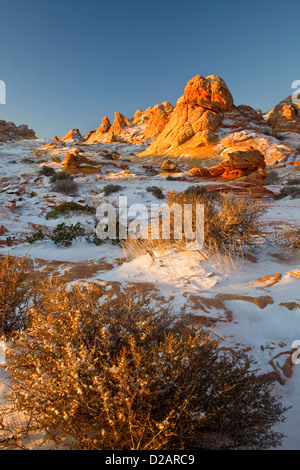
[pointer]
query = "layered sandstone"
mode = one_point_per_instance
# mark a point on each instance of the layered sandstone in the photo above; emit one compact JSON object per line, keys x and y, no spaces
{"x":237,"y":162}
{"x":9,"y":131}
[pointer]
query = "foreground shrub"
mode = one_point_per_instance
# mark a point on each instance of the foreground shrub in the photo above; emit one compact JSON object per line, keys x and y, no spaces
{"x":16,"y":279}
{"x":272,"y":178}
{"x":112,"y":373}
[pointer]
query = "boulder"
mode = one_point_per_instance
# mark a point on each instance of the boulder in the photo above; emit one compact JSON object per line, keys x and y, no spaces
{"x":237,"y":163}
{"x":285,"y":117}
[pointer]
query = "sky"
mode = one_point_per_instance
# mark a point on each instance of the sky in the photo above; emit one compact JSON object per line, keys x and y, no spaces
{"x":68,"y":63}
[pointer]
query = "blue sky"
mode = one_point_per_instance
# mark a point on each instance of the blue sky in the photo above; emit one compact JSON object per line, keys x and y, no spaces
{"x":68,"y":63}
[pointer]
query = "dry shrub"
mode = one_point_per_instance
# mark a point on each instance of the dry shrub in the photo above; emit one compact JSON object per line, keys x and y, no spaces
{"x":16,"y":281}
{"x":230,"y":222}
{"x":289,"y":239}
{"x":99,"y":372}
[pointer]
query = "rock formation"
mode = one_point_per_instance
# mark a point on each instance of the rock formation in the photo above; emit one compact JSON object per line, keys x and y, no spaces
{"x":285,"y":117}
{"x":73,"y":136}
{"x":9,"y":131}
{"x":143,"y":127}
{"x":237,"y":162}
{"x":206,"y":121}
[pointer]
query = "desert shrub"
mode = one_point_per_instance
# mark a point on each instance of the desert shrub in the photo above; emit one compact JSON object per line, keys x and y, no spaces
{"x":16,"y":280}
{"x":113,"y":373}
{"x":36,"y":236}
{"x":229,"y":223}
{"x":64,"y":234}
{"x":293,"y":182}
{"x":111,"y":188}
{"x":156,"y":191}
{"x":289,"y":238}
{"x":65,"y":186}
{"x":69,"y":208}
{"x":272,"y":178}
{"x":47,"y":171}
{"x":289,"y":191}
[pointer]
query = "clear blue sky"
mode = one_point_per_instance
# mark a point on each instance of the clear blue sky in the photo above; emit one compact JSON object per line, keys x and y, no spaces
{"x":68,"y":63}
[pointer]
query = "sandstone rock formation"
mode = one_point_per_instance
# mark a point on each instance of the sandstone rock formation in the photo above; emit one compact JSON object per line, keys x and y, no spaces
{"x":9,"y":131}
{"x":206,"y":121}
{"x":73,"y":136}
{"x":143,"y":127}
{"x":237,"y":163}
{"x":285,"y":117}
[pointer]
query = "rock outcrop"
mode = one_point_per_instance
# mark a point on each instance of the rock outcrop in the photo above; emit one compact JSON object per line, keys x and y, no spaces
{"x":9,"y":131}
{"x":143,"y":127}
{"x":73,"y":136}
{"x":237,"y":163}
{"x":206,"y":121}
{"x":285,"y":117}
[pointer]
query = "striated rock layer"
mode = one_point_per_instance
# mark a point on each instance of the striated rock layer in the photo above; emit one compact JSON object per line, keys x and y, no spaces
{"x":9,"y":131}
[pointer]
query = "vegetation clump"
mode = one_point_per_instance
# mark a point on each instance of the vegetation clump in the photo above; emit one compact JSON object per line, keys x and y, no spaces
{"x":101,"y":372}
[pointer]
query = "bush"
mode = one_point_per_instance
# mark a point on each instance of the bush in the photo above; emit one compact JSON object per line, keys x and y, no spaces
{"x":16,"y":279}
{"x":156,"y":191}
{"x":293,"y":182}
{"x":104,"y":373}
{"x":272,"y":178}
{"x":64,"y":183}
{"x":111,"y":188}
{"x":38,"y":235}
{"x":68,"y":208}
{"x":289,"y":191}
{"x":47,"y":171}
{"x":65,"y":234}
{"x":290,"y":238}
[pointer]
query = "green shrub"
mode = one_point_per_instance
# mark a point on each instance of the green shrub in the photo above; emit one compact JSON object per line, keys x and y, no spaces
{"x":65,"y":234}
{"x":69,"y":208}
{"x":35,"y":237}
{"x":113,"y":373}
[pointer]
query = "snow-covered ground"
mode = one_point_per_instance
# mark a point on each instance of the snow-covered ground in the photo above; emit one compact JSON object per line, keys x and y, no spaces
{"x":248,"y":312}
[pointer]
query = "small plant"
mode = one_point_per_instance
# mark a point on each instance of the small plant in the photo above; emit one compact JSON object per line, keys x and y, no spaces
{"x":64,"y":183}
{"x":289,"y":191}
{"x":170,"y":178}
{"x":156,"y":191}
{"x":111,"y":188}
{"x":35,"y":237}
{"x":290,"y":238}
{"x":65,"y":234}
{"x":293,"y":182}
{"x":68,"y":208}
{"x":10,"y":239}
{"x":47,"y":171}
{"x":272,"y":178}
